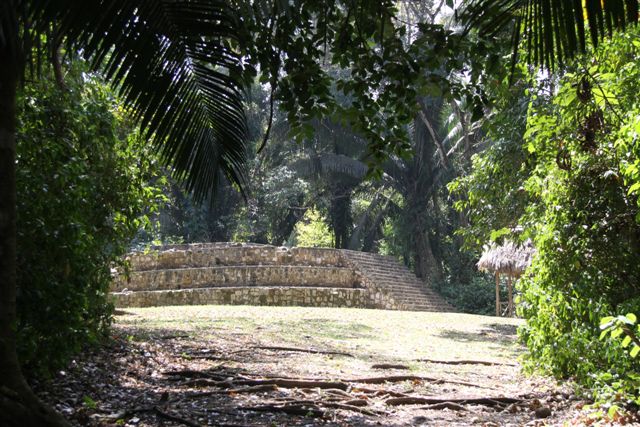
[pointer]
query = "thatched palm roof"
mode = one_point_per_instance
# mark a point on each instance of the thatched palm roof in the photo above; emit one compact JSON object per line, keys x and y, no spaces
{"x":508,"y":258}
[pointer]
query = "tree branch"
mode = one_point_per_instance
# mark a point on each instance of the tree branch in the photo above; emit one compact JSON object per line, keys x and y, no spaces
{"x":432,"y":132}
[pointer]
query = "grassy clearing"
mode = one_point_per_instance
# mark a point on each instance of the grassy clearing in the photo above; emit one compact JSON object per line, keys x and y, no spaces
{"x":385,"y":335}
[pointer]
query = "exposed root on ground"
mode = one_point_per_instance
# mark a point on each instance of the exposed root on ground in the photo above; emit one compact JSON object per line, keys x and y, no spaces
{"x":485,"y":401}
{"x":465,"y":362}
{"x":389,"y":366}
{"x":301,"y":350}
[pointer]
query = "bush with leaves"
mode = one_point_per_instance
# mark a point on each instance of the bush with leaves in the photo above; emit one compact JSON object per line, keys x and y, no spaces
{"x":82,"y":192}
{"x":313,"y":231}
{"x":475,"y":296}
{"x":577,"y":172}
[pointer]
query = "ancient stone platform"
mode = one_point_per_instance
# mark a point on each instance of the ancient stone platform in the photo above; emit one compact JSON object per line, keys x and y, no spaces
{"x":252,"y":274}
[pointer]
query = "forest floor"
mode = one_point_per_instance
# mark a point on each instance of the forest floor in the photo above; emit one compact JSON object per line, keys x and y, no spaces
{"x":285,"y":366}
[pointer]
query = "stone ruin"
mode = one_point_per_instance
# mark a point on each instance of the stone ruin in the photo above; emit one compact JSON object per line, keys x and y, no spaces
{"x":253,"y":274}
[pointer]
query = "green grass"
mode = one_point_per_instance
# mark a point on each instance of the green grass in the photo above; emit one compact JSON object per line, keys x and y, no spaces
{"x":379,"y":334}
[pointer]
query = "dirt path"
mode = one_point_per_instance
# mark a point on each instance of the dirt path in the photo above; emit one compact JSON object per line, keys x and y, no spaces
{"x":272,"y":366}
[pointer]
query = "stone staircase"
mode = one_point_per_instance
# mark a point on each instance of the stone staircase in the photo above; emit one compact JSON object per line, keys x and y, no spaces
{"x":405,"y":288}
{"x":252,"y":274}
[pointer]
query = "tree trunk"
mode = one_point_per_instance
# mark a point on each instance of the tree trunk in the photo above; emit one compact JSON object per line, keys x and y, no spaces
{"x":498,"y":314}
{"x":18,"y":405}
{"x":340,"y":215}
{"x":509,"y":296}
{"x":427,"y":266}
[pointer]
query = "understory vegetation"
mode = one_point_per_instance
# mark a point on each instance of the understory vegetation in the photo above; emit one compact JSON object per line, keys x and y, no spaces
{"x":572,"y":186}
{"x":84,"y":187}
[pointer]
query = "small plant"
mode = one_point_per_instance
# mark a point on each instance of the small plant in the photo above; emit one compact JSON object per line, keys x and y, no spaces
{"x":622,"y":325}
{"x":89,"y":402}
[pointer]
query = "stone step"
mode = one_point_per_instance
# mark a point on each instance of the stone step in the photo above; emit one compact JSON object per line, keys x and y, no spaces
{"x":242,"y":295}
{"x":181,"y":278}
{"x":184,"y":256}
{"x":429,"y":309}
{"x":413,"y":292}
{"x":411,"y":296}
{"x":403,"y":286}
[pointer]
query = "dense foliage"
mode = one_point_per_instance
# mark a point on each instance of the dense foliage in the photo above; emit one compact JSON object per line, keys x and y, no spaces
{"x":573,"y":187}
{"x":588,"y":234}
{"x":83,"y":185}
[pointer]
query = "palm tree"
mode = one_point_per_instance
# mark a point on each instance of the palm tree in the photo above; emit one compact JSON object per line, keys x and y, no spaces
{"x":553,"y":31}
{"x":172,"y":63}
{"x":332,"y":160}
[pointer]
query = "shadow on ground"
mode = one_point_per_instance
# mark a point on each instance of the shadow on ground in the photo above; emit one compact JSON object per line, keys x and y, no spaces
{"x":489,"y":333}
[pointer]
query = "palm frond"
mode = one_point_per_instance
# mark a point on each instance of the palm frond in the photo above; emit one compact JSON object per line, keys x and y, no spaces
{"x":552,"y":31}
{"x":172,"y":63}
{"x":322,"y":164}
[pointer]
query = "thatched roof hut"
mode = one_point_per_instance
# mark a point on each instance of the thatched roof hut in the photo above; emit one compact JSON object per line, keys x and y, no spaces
{"x":509,"y":258}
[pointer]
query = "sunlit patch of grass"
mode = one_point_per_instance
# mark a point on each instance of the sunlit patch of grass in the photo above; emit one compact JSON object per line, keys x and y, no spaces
{"x":324,"y":328}
{"x":378,"y":334}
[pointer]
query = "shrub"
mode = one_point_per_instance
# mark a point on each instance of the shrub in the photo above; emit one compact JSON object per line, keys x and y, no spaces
{"x":81,"y":181}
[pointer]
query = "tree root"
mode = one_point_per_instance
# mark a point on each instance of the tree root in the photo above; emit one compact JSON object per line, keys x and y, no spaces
{"x":304,"y":407}
{"x":465,"y":362}
{"x":211,"y":381}
{"x":378,"y":392}
{"x":388,"y":366}
{"x":301,"y":350}
{"x":280,"y":382}
{"x":401,"y":378}
{"x":334,"y":391}
{"x":253,"y":389}
{"x":445,"y":405}
{"x":485,"y":401}
{"x":357,"y":402}
{"x":208,"y":357}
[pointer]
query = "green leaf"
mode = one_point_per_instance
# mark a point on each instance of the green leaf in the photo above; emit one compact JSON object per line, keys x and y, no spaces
{"x":624,"y":320}
{"x":616,"y":332}
{"x":605,"y":320}
{"x":632,"y":317}
{"x":634,"y":351}
{"x":634,"y":188}
{"x":496,"y":234}
{"x":626,"y":341}
{"x":89,"y":402}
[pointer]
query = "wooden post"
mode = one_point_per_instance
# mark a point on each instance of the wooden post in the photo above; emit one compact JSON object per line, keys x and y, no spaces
{"x":497,"y":294}
{"x":510,"y":300}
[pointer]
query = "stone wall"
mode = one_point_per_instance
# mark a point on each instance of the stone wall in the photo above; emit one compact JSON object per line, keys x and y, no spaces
{"x":182,"y":256}
{"x":245,"y":275}
{"x":281,"y":296}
